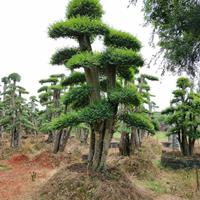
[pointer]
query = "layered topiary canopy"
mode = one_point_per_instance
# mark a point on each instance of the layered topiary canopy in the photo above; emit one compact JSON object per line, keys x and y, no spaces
{"x":101,"y":88}
{"x":121,"y":57}
{"x":121,"y":39}
{"x":138,"y":120}
{"x":63,"y":55}
{"x":74,"y":78}
{"x":76,"y":27}
{"x":126,"y":96}
{"x":85,"y":60}
{"x":78,"y":96}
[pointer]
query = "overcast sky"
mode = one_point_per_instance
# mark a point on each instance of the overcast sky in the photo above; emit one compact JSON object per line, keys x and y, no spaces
{"x":26,"y":49}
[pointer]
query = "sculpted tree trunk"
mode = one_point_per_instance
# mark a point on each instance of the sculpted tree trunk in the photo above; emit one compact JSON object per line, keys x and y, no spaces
{"x":102,"y":133}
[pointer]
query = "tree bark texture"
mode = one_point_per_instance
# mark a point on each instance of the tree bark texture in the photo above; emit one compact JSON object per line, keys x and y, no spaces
{"x":124,"y":145}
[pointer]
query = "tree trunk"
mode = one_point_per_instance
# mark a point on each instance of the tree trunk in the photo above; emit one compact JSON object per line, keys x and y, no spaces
{"x":99,"y":136}
{"x":91,"y":150}
{"x":50,"y":137}
{"x":139,"y":137}
{"x":84,"y":136}
{"x":57,"y":141}
{"x":15,"y":138}
{"x":64,"y":139}
{"x":191,"y":146}
{"x":135,"y":142}
{"x":124,"y":145}
{"x":1,"y":133}
{"x":185,"y":145}
{"x":109,"y":130}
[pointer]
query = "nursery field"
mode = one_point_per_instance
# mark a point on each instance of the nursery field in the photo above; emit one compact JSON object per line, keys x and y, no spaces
{"x":100,"y":100}
{"x":36,"y":173}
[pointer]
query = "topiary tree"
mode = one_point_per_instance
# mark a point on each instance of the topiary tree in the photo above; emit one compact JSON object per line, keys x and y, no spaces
{"x":137,"y":132}
{"x":96,"y":94}
{"x":14,"y":109}
{"x":183,"y":116}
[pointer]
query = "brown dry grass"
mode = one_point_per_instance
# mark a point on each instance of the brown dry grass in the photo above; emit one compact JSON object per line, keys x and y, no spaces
{"x":73,"y":182}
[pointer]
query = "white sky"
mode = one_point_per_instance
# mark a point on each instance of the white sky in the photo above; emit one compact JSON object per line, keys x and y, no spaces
{"x":26,"y":49}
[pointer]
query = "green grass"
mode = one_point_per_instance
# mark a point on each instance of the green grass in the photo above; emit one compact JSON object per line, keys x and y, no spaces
{"x":155,"y":186}
{"x":117,"y":135}
{"x":161,"y":136}
{"x":4,"y":167}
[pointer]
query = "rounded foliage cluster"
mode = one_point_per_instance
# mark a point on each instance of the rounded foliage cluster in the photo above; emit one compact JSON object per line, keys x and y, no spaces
{"x":121,"y":57}
{"x":126,"y":96}
{"x":138,"y":120}
{"x":85,"y":59}
{"x":78,"y":96}
{"x":97,"y":112}
{"x":74,"y":78}
{"x":63,"y":55}
{"x":76,"y":27}
{"x":89,"y":8}
{"x":121,"y":39}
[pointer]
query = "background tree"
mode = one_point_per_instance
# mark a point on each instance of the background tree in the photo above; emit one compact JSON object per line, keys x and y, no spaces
{"x":140,"y":121}
{"x":184,"y":116}
{"x":177,"y":25}
{"x":15,"y":109}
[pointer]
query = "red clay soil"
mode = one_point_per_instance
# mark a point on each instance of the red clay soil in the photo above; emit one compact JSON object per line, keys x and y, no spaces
{"x":18,"y":159}
{"x":16,"y":179}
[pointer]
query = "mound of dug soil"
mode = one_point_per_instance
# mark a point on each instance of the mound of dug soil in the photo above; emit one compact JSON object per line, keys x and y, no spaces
{"x":74,"y":183}
{"x":18,"y":159}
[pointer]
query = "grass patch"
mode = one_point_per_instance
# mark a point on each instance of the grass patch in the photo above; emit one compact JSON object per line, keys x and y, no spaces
{"x":4,"y":167}
{"x":155,"y":186}
{"x":161,"y":136}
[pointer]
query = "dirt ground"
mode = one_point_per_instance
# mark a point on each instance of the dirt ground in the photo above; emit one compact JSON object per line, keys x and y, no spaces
{"x":26,"y":172}
{"x":21,"y":174}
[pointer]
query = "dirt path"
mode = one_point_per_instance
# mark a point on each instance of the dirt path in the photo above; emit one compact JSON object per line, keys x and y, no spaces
{"x":16,"y":181}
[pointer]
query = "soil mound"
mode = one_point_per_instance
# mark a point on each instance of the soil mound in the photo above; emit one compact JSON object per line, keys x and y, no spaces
{"x":73,"y":182}
{"x":49,"y":160}
{"x":18,"y":159}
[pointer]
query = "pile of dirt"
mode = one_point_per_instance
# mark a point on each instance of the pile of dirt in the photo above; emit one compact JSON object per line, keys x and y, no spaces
{"x":50,"y":160}
{"x":151,"y":148}
{"x":141,"y":164}
{"x":73,"y":182}
{"x":137,"y":166}
{"x":18,"y":159}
